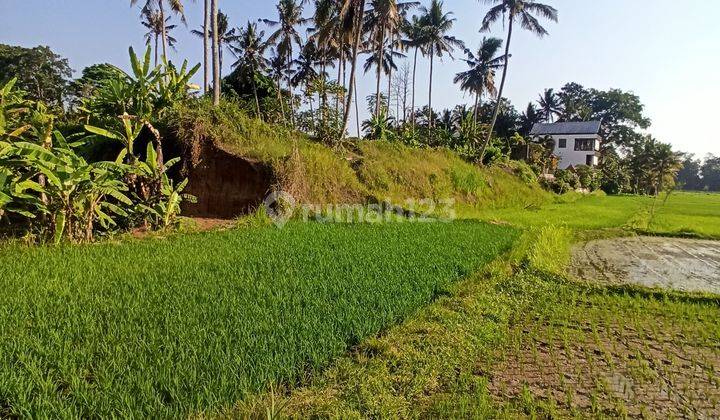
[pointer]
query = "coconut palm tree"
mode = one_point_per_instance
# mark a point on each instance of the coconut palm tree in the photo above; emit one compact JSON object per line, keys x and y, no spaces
{"x":529,"y":118}
{"x":666,"y":162}
{"x":386,"y":61}
{"x":326,"y":37}
{"x":249,"y":48}
{"x":384,"y":20}
{"x":437,"y":24}
{"x":521,"y":11}
{"x":286,"y":37}
{"x":176,"y":6}
{"x":414,"y":31}
{"x":550,"y":105}
{"x":206,"y":45}
{"x":226,"y":36}
{"x":351,"y":26}
{"x":215,"y":31}
{"x":480,"y":79}
{"x":278,"y":71}
{"x":305,"y":71}
{"x":152,"y":20}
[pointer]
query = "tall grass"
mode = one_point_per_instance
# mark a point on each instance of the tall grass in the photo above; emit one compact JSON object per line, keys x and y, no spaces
{"x":395,"y":171}
{"x":163,"y":328}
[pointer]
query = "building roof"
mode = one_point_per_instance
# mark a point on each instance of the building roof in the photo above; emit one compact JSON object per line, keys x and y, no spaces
{"x":584,"y":127}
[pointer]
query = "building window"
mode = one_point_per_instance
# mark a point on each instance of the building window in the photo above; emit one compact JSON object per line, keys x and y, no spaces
{"x":584,"y":145}
{"x":562,"y":143}
{"x":590,"y":160}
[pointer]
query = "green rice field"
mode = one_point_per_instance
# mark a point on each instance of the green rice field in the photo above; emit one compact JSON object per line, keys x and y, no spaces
{"x":170,"y":327}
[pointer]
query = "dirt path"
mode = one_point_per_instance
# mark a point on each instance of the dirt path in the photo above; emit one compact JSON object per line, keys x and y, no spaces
{"x":679,"y":264}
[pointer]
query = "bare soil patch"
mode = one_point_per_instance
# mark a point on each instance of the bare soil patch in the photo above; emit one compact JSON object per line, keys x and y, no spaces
{"x":671,"y":263}
{"x":616,"y":369}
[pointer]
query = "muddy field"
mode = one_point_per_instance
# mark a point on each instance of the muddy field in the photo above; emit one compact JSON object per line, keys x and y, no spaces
{"x":671,"y":263}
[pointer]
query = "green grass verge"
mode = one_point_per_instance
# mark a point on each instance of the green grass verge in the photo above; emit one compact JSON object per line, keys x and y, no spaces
{"x":164,"y":328}
{"x":680,"y":214}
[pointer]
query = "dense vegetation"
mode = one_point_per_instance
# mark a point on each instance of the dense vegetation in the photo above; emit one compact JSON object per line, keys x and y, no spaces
{"x":700,"y":175}
{"x":300,"y":73}
{"x":49,"y":188}
{"x":99,"y":331}
{"x":375,"y":170}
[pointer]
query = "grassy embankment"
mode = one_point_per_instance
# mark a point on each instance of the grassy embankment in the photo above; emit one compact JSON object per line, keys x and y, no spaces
{"x":198,"y":322}
{"x":521,"y":339}
{"x":358,"y":172}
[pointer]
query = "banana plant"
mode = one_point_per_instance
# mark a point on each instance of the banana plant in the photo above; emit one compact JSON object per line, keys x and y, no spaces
{"x":77,"y":193}
{"x":12,"y":105}
{"x":16,"y":195}
{"x":173,"y":86}
{"x":165,"y":199}
{"x":131,"y":129}
{"x":165,"y":212}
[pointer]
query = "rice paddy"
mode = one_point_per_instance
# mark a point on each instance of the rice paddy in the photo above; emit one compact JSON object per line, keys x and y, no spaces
{"x":170,"y":327}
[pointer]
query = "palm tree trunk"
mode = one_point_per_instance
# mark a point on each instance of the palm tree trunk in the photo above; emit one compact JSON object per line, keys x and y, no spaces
{"x":355,"y":50}
{"x":156,"y":50}
{"x":292,"y":96}
{"x":206,"y":41}
{"x":255,"y":93}
{"x":280,"y":98}
{"x":215,"y":53}
{"x":357,"y":110}
{"x":432,"y":117}
{"x":412,"y":113}
{"x":164,"y":29}
{"x":312,"y":109}
{"x":390,"y":72}
{"x":500,"y":91}
{"x":341,"y":61}
{"x":475,"y":111}
{"x":379,"y":63}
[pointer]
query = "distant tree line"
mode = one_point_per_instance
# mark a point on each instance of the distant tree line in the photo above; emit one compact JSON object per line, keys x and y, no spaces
{"x":700,"y":175}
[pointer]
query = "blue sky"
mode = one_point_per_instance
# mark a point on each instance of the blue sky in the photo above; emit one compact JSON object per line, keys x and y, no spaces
{"x":666,"y":51}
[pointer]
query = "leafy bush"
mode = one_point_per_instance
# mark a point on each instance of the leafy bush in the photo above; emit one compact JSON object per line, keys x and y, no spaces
{"x":523,"y":171}
{"x":589,"y":177}
{"x":565,"y":180}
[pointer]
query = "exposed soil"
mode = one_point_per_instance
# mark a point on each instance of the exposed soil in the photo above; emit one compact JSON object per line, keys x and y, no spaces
{"x":680,"y":264}
{"x":613,"y":370}
{"x":595,"y":362}
{"x":226,"y":186}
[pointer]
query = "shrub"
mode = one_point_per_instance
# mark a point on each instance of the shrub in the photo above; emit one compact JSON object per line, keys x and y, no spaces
{"x":589,"y":177}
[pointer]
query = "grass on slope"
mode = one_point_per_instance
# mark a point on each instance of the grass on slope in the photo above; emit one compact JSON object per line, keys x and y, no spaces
{"x":316,"y":174}
{"x":164,"y":328}
{"x":398,"y":172}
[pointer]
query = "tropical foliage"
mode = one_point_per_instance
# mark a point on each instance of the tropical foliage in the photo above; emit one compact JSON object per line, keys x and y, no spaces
{"x":298,"y":70}
{"x":50,"y":192}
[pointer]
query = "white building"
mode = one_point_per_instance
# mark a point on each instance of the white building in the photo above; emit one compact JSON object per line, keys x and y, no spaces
{"x":575,"y":143}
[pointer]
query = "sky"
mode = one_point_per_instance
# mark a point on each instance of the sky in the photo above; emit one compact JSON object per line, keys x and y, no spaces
{"x":665,"y":51}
